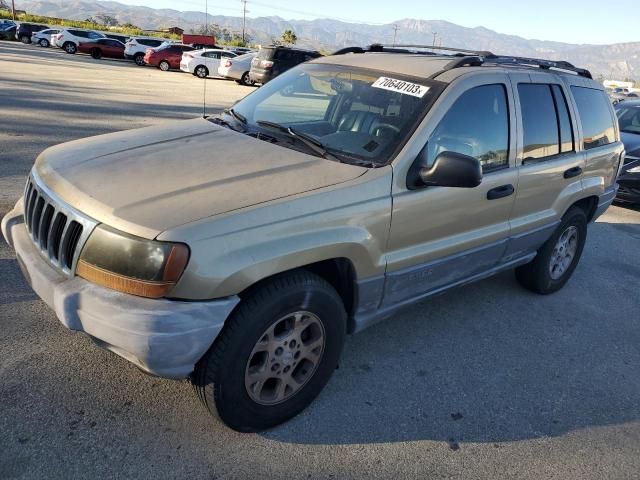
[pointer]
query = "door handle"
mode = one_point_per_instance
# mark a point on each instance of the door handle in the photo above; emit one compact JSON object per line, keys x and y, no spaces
{"x":573,"y":172}
{"x":500,"y":192}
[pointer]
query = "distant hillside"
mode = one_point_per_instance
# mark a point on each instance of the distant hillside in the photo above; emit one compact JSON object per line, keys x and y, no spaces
{"x":612,"y":61}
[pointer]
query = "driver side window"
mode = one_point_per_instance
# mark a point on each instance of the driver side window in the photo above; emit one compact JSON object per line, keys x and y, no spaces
{"x":476,"y":125}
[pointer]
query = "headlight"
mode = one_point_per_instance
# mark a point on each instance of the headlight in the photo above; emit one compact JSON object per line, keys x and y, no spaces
{"x":131,"y":264}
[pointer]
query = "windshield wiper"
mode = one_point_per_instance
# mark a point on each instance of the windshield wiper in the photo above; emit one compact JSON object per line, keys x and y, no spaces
{"x":312,"y":143}
{"x":240,"y":118}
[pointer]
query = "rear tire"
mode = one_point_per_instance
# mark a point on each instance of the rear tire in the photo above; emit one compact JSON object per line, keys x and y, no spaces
{"x":96,"y":53}
{"x":164,"y":66}
{"x":275,"y":353}
{"x":557,"y":259}
{"x":246,"y":80}
{"x":139,"y":59}
{"x":70,"y":47}
{"x":44,"y":43}
{"x":201,"y":71}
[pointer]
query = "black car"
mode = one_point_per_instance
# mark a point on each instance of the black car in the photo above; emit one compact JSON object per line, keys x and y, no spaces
{"x":8,"y":33}
{"x":274,"y":60}
{"x":628,"y":113}
{"x":24,"y":31}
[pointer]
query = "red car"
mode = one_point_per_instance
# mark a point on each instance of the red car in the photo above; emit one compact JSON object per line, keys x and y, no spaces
{"x":103,"y":47}
{"x":167,"y":56}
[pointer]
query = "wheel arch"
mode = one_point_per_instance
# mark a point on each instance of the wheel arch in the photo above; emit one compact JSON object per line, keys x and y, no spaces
{"x":588,"y":204}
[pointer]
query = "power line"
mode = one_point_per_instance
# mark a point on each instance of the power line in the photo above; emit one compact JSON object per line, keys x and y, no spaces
{"x":395,"y":32}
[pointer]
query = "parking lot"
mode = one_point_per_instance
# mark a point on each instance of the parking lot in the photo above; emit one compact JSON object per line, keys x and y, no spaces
{"x":488,"y":381}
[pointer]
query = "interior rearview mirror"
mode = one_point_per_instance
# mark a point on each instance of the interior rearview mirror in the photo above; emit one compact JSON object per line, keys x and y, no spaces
{"x":452,"y":169}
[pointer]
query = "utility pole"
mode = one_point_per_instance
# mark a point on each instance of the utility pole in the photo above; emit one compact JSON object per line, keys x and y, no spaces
{"x":244,"y":19}
{"x":13,"y":10}
{"x":395,"y":32}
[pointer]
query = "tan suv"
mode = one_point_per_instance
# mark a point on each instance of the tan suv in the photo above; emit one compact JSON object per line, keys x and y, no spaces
{"x":240,"y":250}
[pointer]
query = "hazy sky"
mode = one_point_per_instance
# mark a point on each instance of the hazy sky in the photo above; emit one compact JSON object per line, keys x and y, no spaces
{"x":573,"y":21}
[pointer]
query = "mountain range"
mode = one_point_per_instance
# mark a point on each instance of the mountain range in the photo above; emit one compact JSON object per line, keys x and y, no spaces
{"x":615,"y":61}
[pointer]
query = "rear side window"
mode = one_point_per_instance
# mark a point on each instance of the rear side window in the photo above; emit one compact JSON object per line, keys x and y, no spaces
{"x":546,"y":123}
{"x":597,"y":122}
{"x":149,"y":43}
{"x":476,"y":125}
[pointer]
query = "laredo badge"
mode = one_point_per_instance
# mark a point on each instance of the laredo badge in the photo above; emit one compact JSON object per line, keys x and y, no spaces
{"x":400,"y":86}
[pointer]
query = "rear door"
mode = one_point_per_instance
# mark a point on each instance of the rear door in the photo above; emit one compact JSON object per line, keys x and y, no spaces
{"x":549,"y":164}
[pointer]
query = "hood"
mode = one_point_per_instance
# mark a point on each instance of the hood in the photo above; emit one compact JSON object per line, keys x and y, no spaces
{"x":149,"y":180}
{"x":631,"y":143}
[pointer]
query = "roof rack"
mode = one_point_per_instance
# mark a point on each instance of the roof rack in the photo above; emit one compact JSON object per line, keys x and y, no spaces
{"x":468,"y":58}
{"x":408,"y":48}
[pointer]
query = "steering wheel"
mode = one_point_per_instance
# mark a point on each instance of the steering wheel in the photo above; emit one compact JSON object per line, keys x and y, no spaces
{"x":375,"y":131}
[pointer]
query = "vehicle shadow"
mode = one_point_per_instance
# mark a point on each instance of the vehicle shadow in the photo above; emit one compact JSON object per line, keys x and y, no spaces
{"x":491,"y":362}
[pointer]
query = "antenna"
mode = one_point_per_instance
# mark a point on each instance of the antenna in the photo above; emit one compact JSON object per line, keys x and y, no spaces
{"x":206,"y":32}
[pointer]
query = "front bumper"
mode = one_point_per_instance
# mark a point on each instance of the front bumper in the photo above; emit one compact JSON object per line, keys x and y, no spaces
{"x":629,"y":183}
{"x":162,"y":337}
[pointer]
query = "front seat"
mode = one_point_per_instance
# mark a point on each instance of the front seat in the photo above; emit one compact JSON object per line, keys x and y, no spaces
{"x":358,"y":121}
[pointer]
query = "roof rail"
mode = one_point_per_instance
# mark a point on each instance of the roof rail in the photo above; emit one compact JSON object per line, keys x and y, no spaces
{"x":408,"y":48}
{"x":537,"y":62}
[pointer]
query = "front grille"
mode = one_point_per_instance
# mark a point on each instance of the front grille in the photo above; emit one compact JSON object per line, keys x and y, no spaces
{"x":57,"y":230}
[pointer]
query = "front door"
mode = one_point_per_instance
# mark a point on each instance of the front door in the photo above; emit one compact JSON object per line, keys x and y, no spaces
{"x":441,"y":236}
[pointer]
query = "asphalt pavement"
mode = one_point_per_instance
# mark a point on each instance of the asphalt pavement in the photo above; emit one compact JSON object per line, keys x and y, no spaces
{"x":488,"y":381}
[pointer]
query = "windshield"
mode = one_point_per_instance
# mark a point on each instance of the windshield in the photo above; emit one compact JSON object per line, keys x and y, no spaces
{"x":629,"y":119}
{"x":352,"y":113}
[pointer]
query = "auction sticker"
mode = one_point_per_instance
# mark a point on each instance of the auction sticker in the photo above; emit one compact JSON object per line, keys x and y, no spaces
{"x":400,"y":86}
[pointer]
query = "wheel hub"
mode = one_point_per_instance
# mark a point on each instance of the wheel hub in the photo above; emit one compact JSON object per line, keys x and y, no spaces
{"x":563,"y":252}
{"x":285,"y":358}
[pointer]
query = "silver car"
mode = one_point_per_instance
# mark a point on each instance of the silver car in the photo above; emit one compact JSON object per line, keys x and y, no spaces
{"x":237,"y":68}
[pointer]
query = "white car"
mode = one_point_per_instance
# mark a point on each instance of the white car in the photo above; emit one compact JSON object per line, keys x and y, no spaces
{"x":69,"y":39}
{"x":43,"y":37}
{"x":237,"y":68}
{"x":136,"y":47}
{"x":202,"y":63}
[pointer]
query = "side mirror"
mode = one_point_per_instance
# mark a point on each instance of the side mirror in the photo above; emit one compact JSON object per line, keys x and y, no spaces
{"x":452,"y":169}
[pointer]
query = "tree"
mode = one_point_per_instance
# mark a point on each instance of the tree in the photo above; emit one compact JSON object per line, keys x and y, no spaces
{"x":107,"y":20}
{"x":289,"y":37}
{"x":4,"y":5}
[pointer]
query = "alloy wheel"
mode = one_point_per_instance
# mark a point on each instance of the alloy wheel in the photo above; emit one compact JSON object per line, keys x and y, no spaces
{"x":563,"y":252}
{"x":285,"y":358}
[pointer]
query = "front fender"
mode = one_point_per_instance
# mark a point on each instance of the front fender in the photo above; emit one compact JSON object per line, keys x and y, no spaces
{"x":238,"y":249}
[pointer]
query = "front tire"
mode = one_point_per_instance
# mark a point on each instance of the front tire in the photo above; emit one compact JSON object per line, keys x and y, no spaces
{"x":96,"y":53}
{"x":24,"y":39}
{"x":70,"y":47}
{"x":275,"y":353}
{"x":201,"y":71}
{"x":44,"y":43}
{"x":557,"y":259}
{"x":164,"y":66}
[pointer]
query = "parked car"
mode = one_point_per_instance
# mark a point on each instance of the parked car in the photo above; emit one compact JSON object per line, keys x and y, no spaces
{"x":272,"y":61}
{"x":69,"y":39}
{"x":8,"y":33}
{"x":241,"y":50}
{"x":237,"y":68}
{"x":25,"y":30}
{"x":166,"y":57}
{"x":239,"y":250}
{"x":103,"y":47}
{"x":136,"y":47}
{"x":43,"y":37}
{"x":628,"y":114}
{"x":202,"y":63}
{"x":4,"y":24}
